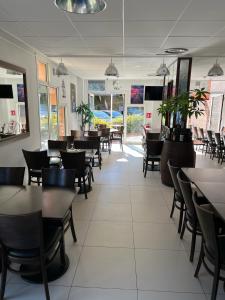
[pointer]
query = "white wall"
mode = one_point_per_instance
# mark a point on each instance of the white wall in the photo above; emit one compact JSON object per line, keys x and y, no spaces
{"x":15,"y":52}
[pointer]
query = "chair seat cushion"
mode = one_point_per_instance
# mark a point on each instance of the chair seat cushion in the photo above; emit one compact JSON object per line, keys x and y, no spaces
{"x":51,"y":234}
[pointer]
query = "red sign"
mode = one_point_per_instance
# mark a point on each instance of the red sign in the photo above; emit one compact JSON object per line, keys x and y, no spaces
{"x":13,"y":112}
{"x":148,"y":115}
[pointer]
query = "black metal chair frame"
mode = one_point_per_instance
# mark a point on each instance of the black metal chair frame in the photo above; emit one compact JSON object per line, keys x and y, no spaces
{"x":153,"y":154}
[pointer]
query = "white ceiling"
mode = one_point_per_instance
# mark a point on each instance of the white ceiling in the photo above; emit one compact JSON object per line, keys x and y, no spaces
{"x":132,"y":36}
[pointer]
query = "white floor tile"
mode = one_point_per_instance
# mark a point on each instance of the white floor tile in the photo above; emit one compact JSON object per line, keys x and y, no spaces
{"x":83,"y":211}
{"x":142,"y":295}
{"x":152,"y":196}
{"x":150,"y":213}
{"x":156,"y":236}
{"x":106,"y":268}
{"x":101,"y":294}
{"x":165,"y":271}
{"x":112,"y":212}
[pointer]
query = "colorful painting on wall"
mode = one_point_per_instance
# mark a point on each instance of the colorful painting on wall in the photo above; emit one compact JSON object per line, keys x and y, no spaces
{"x":20,"y":93}
{"x":137,"y":94}
{"x":73,"y":97}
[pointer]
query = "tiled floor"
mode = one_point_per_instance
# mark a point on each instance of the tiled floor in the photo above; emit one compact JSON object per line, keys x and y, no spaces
{"x":128,"y":247}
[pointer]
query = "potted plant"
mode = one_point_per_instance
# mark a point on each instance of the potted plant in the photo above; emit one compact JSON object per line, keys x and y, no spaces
{"x":178,"y":146}
{"x":86,"y":114}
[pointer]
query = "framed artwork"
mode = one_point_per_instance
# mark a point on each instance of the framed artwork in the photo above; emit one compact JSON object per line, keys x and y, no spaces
{"x":73,"y":97}
{"x":20,"y":93}
{"x":96,"y":85}
{"x":137,"y":94}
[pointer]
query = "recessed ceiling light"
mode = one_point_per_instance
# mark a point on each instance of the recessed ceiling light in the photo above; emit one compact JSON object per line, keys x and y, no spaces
{"x":176,"y":50}
{"x":81,"y":6}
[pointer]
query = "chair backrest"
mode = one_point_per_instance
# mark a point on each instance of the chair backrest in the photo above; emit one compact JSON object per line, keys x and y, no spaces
{"x":209,"y":135}
{"x":92,"y":133}
{"x":11,"y":175}
{"x":207,"y":221}
{"x":105,"y":132}
{"x":173,"y":172}
{"x":201,"y":131}
{"x":101,"y":126}
{"x":54,"y":177}
{"x":90,"y":142}
{"x":69,"y":140}
{"x":217,"y":138}
{"x":185,"y":186}
{"x":152,"y":135}
{"x":154,"y":147}
{"x":195,"y":132}
{"x":21,"y":232}
{"x":36,"y":160}
{"x":60,"y":145}
{"x":77,"y":133}
{"x":74,"y":160}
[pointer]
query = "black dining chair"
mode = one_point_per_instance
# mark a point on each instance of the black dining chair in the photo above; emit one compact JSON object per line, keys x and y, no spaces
{"x":178,"y":200}
{"x":220,"y":148}
{"x":105,"y":140}
{"x":56,"y":145}
{"x":35,"y":160}
{"x":12,"y":175}
{"x":152,"y":154}
{"x":76,"y":161}
{"x":117,"y":136}
{"x":28,"y":241}
{"x":212,"y":144}
{"x":204,"y":140}
{"x":190,"y":221}
{"x":63,"y":178}
{"x":213,"y":243}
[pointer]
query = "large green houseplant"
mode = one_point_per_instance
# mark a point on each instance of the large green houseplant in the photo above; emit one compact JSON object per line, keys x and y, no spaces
{"x":185,"y":104}
{"x":86,"y":114}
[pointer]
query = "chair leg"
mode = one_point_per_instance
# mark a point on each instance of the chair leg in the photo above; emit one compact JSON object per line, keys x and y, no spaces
{"x":62,"y":248}
{"x":85,"y":190}
{"x":4,"y":276}
{"x":173,"y":205}
{"x":200,"y":259}
{"x":181,"y":217}
{"x":215,"y":281}
{"x":183,"y":228}
{"x":29,"y":179}
{"x":44,"y":278}
{"x":146,"y":167}
{"x":72,"y":227}
{"x":193,"y":241}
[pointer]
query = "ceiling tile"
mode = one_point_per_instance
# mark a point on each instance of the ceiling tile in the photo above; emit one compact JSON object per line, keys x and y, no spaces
{"x":104,"y":42}
{"x":154,"y":10}
{"x":31,"y":10}
{"x":140,"y":42}
{"x":205,"y":10}
{"x":99,"y":28}
{"x":186,"y":42}
{"x":197,"y":28}
{"x":148,"y":28}
{"x":40,"y":29}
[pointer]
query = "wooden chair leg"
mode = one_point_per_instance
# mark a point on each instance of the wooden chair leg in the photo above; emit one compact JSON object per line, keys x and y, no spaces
{"x":200,"y":259}
{"x":215,"y":281}
{"x":85,"y":190}
{"x":181,"y":217}
{"x":44,"y":278}
{"x":72,"y":227}
{"x":4,"y":276}
{"x":146,"y":167}
{"x":193,"y":241}
{"x":173,"y":205}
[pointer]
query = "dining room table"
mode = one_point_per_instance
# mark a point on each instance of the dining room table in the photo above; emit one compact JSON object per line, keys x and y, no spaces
{"x":55,"y":204}
{"x":211,"y":183}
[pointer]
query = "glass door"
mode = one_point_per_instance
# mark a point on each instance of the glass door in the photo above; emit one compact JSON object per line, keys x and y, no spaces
{"x":44,"y":115}
{"x":53,"y":113}
{"x":62,"y":121}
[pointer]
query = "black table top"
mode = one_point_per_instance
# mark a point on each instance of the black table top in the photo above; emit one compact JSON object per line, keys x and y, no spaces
{"x":215,"y":193}
{"x":205,"y":174}
{"x":54,"y":202}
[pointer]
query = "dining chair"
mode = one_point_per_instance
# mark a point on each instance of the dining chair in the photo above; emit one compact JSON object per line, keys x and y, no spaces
{"x":204,"y":140}
{"x":93,"y":133}
{"x":213,"y":243}
{"x":77,"y":133}
{"x":152,"y":154}
{"x":153,"y":136}
{"x":69,"y":140}
{"x":105,"y":139}
{"x":76,"y":161}
{"x":212,"y":144}
{"x":178,"y":200}
{"x":190,"y":221}
{"x":28,"y":241}
{"x":35,"y":160}
{"x":220,"y":148}
{"x":56,"y":145}
{"x":12,"y":175}
{"x":117,"y":136}
{"x":63,"y":178}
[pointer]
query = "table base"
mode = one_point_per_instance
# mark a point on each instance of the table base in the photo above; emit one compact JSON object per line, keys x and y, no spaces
{"x":54,"y":271}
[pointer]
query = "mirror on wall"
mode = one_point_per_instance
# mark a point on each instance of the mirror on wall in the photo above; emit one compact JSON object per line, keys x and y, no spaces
{"x":13,"y":102}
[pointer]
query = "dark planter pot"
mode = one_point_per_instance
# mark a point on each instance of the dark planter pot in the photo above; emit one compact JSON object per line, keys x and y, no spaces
{"x":181,"y":154}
